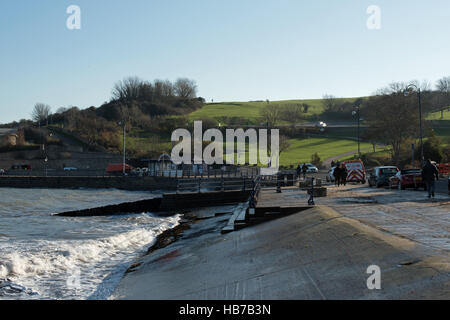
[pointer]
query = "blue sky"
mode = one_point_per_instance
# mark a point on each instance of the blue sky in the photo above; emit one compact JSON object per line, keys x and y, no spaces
{"x":236,"y":50}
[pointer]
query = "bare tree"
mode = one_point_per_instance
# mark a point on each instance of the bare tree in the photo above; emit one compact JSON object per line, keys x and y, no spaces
{"x":284,"y":144}
{"x":330,"y":102}
{"x":185,"y":88}
{"x":443,"y":85}
{"x":292,"y":113}
{"x":127,"y":89}
{"x":40,"y":112}
{"x":271,"y":114}
{"x":394,"y":131}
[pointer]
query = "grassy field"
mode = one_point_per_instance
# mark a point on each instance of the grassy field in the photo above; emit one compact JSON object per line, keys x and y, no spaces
{"x":250,"y":112}
{"x":301,"y":150}
{"x":437,"y":116}
{"x":335,"y":142}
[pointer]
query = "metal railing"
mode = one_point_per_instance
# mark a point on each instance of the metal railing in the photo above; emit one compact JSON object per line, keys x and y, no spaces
{"x":205,"y":185}
{"x":233,"y":172}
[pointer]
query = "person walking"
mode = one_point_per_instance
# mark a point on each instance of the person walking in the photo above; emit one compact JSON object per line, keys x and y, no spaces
{"x":299,"y":170}
{"x":344,"y":174}
{"x":304,"y":170}
{"x":337,"y":174}
{"x":333,"y":164}
{"x":430,"y":174}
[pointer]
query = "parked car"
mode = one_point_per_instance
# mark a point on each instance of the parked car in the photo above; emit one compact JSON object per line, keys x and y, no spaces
{"x":2,"y":172}
{"x":321,"y":124}
{"x":379,"y":176}
{"x":330,"y":175}
{"x":70,"y":169}
{"x":311,"y":168}
{"x":25,"y":167}
{"x":410,"y":178}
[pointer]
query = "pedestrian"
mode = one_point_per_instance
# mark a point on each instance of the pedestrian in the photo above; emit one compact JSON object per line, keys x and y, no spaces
{"x":344,"y":174}
{"x":430,"y":174}
{"x":337,"y":174}
{"x":304,"y":170}
{"x":333,"y":164}
{"x":299,"y":170}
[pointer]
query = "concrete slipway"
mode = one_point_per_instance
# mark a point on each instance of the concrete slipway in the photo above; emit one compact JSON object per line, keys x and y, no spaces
{"x":315,"y":254}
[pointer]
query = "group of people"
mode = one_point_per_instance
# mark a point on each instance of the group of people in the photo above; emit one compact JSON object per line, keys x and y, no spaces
{"x":340,"y":174}
{"x":302,"y":170}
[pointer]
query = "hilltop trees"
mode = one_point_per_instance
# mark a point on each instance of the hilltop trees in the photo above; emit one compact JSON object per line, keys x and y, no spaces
{"x":128,"y":89}
{"x":40,"y":112}
{"x":443,"y":85}
{"x":136,"y":89}
{"x":160,"y":98}
{"x":142,"y":104}
{"x":185,"y":88}
{"x":391,"y":118}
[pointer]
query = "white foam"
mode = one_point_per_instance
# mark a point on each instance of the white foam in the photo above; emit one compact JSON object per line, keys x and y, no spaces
{"x":65,"y":255}
{"x":55,"y":259}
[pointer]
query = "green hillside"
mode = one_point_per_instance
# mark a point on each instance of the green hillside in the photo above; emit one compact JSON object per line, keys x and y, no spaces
{"x":438,"y":115}
{"x":250,"y":112}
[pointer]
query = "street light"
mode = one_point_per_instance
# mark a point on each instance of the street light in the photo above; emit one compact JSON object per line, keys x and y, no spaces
{"x":45,"y":161}
{"x":357,"y":113}
{"x":419,"y":96}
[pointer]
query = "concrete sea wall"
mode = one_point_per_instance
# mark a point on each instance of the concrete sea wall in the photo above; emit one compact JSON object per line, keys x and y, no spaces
{"x":122,"y":183}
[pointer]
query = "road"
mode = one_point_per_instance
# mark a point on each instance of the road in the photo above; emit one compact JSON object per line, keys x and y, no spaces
{"x":442,"y":186}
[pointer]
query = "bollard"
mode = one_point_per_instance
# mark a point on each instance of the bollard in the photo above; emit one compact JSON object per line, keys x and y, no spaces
{"x":311,"y":198}
{"x":278,"y":183}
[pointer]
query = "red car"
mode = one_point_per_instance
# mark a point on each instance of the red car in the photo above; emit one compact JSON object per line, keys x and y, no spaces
{"x":409,"y":178}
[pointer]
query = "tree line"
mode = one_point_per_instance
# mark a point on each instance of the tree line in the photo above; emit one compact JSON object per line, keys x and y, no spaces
{"x":141,"y":104}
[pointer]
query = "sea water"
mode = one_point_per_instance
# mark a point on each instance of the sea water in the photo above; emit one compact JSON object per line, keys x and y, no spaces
{"x":43,"y":256}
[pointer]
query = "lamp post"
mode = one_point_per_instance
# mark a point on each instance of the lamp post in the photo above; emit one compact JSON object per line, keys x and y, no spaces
{"x":357,"y":113}
{"x":123,"y":124}
{"x":45,"y":161}
{"x":419,"y":96}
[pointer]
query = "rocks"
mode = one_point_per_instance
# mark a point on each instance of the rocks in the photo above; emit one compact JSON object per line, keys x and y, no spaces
{"x":9,"y":288}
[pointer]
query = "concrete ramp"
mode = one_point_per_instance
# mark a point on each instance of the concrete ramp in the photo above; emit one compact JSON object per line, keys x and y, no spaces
{"x":315,"y":254}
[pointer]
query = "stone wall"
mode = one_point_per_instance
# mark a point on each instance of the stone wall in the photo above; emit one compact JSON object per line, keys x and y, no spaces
{"x":123,"y":183}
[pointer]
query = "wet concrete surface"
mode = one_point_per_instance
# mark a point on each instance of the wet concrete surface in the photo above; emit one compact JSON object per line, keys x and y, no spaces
{"x":320,"y":253}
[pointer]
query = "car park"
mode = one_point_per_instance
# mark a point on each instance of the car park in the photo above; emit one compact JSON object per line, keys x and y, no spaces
{"x":380,"y":176}
{"x":408,"y":178}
